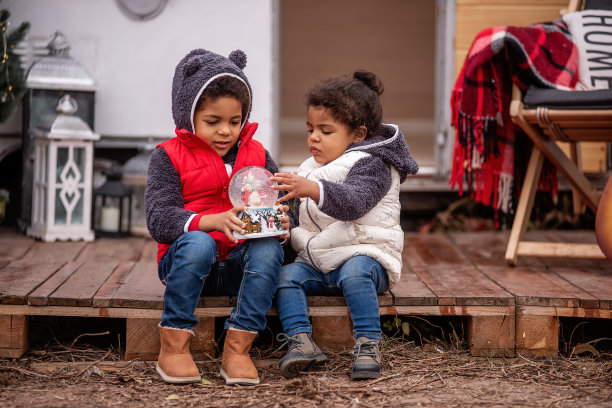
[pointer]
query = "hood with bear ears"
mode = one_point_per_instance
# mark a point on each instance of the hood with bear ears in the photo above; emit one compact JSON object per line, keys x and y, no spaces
{"x":390,"y":145}
{"x":194,"y":73}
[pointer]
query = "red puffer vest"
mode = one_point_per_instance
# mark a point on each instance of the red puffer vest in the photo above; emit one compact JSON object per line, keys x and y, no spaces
{"x":204,"y":178}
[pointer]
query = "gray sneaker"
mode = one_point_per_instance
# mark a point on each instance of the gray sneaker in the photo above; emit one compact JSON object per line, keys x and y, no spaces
{"x":367,"y":359}
{"x":302,"y":354}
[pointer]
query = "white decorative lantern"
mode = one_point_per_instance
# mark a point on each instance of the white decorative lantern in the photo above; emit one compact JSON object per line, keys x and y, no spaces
{"x":63,"y":167}
{"x":49,"y":79}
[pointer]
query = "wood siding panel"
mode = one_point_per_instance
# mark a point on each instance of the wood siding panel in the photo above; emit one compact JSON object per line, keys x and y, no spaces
{"x":473,"y":16}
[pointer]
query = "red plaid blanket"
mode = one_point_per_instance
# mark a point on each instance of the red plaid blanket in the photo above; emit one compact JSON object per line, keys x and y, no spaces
{"x":483,"y":157}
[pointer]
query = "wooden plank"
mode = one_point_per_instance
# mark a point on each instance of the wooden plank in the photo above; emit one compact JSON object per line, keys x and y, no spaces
{"x":386,"y":299}
{"x":149,"y":251}
{"x":537,"y":335}
{"x":333,"y":332}
{"x":126,"y":249}
{"x":50,"y":252}
{"x":532,"y":286}
{"x":574,"y":236}
{"x":557,"y":311}
{"x":149,"y":313}
{"x":464,"y":285}
{"x":560,"y":250}
{"x":444,"y":295}
{"x":217,"y":301}
{"x":143,"y":341}
{"x":142,"y":288}
{"x":597,"y":283}
{"x":427,"y":250}
{"x":13,"y":336}
{"x":80,"y":288}
{"x":471,"y":19}
{"x":20,"y":278}
{"x":593,"y":154}
{"x":586,"y":299}
{"x":411,"y":290}
{"x":13,"y":245}
{"x":103,"y":296}
{"x":491,"y":336}
{"x":584,"y":237}
{"x":488,"y":247}
{"x":40,"y":296}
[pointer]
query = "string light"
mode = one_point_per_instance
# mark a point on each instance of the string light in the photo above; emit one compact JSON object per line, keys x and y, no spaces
{"x":12,"y":85}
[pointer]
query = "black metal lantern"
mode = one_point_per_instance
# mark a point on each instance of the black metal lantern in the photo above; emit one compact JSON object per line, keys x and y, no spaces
{"x":48,"y":80}
{"x":135,"y":177}
{"x":112,"y":205}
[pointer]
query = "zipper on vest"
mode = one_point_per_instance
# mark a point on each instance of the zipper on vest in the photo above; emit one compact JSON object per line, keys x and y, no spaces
{"x":224,"y":192}
{"x":308,"y":210}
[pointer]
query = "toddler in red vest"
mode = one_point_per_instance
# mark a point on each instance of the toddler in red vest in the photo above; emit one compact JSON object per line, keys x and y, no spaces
{"x":191,"y":217}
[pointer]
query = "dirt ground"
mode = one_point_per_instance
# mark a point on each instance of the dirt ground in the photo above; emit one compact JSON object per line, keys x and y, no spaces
{"x":434,"y":375}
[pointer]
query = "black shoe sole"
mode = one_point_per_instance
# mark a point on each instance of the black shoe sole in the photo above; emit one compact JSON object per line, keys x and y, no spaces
{"x":293,"y":368}
{"x":364,"y":375}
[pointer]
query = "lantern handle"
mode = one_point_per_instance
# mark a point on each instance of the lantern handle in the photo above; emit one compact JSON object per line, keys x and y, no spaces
{"x":67,"y":105}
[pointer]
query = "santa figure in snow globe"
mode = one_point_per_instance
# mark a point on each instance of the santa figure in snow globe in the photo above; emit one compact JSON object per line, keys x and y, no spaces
{"x":251,"y":186}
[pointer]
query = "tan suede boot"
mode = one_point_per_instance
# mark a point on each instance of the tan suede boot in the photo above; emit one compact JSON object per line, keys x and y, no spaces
{"x":237,"y":366}
{"x":175,"y":364}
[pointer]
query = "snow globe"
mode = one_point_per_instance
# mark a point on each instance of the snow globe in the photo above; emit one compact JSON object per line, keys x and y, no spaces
{"x":251,"y":187}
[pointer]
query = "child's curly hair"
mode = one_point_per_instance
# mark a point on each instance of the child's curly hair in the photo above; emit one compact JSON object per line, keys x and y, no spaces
{"x":226,"y":86}
{"x":353,"y":101}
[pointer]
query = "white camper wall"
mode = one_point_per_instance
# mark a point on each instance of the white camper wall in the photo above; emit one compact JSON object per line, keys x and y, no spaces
{"x":133,"y":62}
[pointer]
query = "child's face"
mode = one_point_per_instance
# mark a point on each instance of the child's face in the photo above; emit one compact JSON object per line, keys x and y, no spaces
{"x":218,"y":123}
{"x":328,"y":138}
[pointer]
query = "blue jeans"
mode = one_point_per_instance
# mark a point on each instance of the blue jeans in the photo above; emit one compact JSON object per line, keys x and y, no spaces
{"x":360,"y":279}
{"x":190,"y":269}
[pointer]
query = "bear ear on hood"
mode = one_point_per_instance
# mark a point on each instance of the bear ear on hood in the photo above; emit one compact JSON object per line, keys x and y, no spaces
{"x":239,"y":58}
{"x":192,"y":67}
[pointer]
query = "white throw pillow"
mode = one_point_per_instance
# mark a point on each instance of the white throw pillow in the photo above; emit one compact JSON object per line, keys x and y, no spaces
{"x":591,"y":31}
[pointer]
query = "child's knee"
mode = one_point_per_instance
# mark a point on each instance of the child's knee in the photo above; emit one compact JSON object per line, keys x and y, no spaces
{"x":267,"y":248}
{"x":359,"y":267}
{"x":289,"y":276}
{"x":199,"y":246}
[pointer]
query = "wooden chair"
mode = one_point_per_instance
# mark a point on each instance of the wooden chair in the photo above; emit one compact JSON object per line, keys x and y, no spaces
{"x":558,"y":116}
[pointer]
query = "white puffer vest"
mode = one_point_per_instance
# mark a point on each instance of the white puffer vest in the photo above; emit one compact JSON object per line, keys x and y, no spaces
{"x":326,"y":243}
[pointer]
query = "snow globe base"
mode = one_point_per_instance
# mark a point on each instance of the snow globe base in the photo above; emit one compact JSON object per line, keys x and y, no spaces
{"x":261,"y":222}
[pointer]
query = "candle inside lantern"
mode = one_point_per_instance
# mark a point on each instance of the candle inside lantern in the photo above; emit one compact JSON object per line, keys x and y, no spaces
{"x":109,"y":219}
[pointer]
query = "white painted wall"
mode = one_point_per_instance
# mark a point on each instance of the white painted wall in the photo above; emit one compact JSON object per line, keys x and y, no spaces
{"x":133,"y":62}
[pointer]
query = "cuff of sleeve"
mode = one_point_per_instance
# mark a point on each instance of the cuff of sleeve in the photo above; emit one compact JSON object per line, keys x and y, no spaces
{"x":192,"y":222}
{"x":321,"y":194}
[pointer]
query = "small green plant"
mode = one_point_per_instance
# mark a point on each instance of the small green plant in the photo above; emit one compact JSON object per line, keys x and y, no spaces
{"x":395,"y":326}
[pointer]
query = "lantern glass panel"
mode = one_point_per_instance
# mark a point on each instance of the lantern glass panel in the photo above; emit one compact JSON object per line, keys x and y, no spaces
{"x":79,"y":160}
{"x":77,"y":212}
{"x":70,"y":167}
{"x":60,"y":210}
{"x":62,"y":160}
{"x":44,"y":102}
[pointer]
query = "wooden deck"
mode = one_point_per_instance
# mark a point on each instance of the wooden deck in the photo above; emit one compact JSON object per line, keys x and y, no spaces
{"x":508,"y":309}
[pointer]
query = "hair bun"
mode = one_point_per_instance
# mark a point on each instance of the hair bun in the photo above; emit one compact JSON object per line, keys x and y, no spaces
{"x":370,"y":80}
